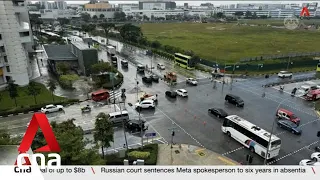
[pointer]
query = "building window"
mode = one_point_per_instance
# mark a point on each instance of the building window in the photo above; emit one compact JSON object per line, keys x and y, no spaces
{"x":5,"y":59}
{"x":0,"y":37}
{"x":24,"y":34}
{"x":8,"y":68}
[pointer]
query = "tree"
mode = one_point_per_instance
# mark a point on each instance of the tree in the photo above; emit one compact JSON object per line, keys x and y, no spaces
{"x":119,"y":16}
{"x":63,"y":68}
{"x":72,"y":144}
{"x":106,"y":28}
{"x":86,"y":17}
{"x":5,"y":138}
{"x":52,"y":87}
{"x":95,"y":17}
{"x":254,"y":16}
{"x":220,"y":15}
{"x":129,"y":18}
{"x":33,"y":90}
{"x":238,"y":14}
{"x":248,"y":14}
{"x":63,"y":21}
{"x":146,"y":18}
{"x":103,"y":131}
{"x":131,"y":33}
{"x":101,"y":16}
{"x":194,"y":60}
{"x":152,"y":17}
{"x":67,"y":80}
{"x":13,"y":91}
{"x":101,"y":68}
{"x":155,"y":44}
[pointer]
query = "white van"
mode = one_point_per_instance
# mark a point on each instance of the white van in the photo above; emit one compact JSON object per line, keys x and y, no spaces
{"x":119,"y":117}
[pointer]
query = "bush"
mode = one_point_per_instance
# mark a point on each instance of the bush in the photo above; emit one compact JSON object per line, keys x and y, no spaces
{"x":152,"y":149}
{"x":138,"y":155}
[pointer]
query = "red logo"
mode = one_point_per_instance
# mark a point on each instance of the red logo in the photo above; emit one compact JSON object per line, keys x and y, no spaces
{"x":305,"y":12}
{"x":39,"y":120}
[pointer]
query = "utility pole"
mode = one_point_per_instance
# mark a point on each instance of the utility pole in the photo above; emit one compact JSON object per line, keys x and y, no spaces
{"x":114,"y":98}
{"x":141,"y":128}
{"x":173,"y":131}
{"x":151,"y":64}
{"x":288,"y":62}
{"x":124,"y":128}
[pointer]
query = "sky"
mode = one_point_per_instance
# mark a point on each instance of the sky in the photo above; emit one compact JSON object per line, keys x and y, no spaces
{"x":195,"y":3}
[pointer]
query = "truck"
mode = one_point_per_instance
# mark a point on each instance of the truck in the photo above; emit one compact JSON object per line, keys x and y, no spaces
{"x":111,"y":50}
{"x":313,"y":95}
{"x":170,"y":77}
{"x":146,"y":96}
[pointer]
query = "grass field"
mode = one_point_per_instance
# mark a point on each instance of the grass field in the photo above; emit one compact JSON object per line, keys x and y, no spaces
{"x":24,"y":100}
{"x":229,"y":42}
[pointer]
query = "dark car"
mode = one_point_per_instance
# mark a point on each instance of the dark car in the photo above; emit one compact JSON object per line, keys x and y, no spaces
{"x":155,"y":78}
{"x":233,"y":99}
{"x":135,"y":126}
{"x":171,"y":94}
{"x":124,"y":63}
{"x":147,"y":79}
{"x":290,"y":126}
{"x":220,"y":113}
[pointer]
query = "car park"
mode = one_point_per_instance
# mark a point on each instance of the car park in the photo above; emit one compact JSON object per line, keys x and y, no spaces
{"x":51,"y":108}
{"x":182,"y":92}
{"x":290,"y":126}
{"x":136,"y":125}
{"x":192,"y":81}
{"x":147,"y":79}
{"x":220,"y":113}
{"x":284,"y":74}
{"x":161,"y":66}
{"x":287,"y":115}
{"x":145,"y":104}
{"x":315,"y":156}
{"x":171,"y":94}
{"x":233,"y":99}
{"x":155,"y":78}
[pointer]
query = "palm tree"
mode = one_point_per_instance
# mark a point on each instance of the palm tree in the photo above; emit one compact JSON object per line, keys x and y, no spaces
{"x":107,"y":27}
{"x":52,"y":87}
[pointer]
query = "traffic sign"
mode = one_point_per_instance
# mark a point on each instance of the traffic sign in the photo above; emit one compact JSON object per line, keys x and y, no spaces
{"x":150,"y":134}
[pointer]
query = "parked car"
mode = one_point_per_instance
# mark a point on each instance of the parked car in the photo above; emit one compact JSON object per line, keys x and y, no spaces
{"x":182,"y":92}
{"x":284,"y":74}
{"x":161,"y":66}
{"x":289,"y":126}
{"x":51,"y":108}
{"x":315,"y":156}
{"x":192,"y":81}
{"x":145,"y":104}
{"x":124,"y":63}
{"x":220,"y":113}
{"x":147,"y":79}
{"x":171,"y":94}
{"x":287,"y":115}
{"x":135,"y":126}
{"x":308,"y":162}
{"x":155,"y":78}
{"x":233,"y":99}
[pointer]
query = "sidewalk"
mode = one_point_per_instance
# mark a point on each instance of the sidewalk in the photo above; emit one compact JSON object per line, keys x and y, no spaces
{"x":190,"y":155}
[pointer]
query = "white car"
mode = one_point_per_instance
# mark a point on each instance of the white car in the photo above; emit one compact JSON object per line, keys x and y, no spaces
{"x":161,"y":66}
{"x":182,"y":92}
{"x":284,"y":74}
{"x":192,"y":81}
{"x":308,"y":162}
{"x":315,"y":156}
{"x":148,"y":103}
{"x":51,"y":108}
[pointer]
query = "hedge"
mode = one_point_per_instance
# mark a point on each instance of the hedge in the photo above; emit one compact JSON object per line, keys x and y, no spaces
{"x":138,"y":155}
{"x":37,"y":107}
{"x":113,"y":159}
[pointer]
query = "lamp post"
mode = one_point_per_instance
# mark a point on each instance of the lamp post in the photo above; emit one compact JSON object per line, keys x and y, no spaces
{"x":289,"y":62}
{"x":269,"y":141}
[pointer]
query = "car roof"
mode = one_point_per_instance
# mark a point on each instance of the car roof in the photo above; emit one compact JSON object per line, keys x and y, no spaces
{"x":283,"y":71}
{"x":147,"y":100}
{"x":118,"y":112}
{"x":183,"y":90}
{"x":49,"y":105}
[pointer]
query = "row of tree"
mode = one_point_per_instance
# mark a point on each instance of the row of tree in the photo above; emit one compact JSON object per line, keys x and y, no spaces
{"x":74,"y":147}
{"x":118,"y":16}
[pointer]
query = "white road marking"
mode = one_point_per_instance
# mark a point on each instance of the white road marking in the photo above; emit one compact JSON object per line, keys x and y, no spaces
{"x":173,"y":122}
{"x":292,"y":153}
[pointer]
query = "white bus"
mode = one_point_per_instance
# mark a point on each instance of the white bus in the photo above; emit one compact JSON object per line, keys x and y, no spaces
{"x":251,"y":136}
{"x":111,"y":50}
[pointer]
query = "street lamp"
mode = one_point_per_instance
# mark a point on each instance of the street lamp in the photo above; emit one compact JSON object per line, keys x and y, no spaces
{"x":265,"y":159}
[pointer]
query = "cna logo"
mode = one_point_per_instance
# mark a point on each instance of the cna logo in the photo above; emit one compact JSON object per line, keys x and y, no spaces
{"x":39,"y":120}
{"x":305,"y":12}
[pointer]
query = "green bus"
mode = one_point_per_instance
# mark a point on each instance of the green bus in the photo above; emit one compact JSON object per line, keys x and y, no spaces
{"x":183,"y":61}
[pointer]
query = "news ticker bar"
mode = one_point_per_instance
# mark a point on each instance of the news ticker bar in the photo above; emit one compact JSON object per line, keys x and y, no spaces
{"x":97,"y":172}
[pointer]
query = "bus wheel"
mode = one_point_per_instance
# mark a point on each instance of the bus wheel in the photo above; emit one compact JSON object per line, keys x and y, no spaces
{"x":251,"y":149}
{"x":228,"y":134}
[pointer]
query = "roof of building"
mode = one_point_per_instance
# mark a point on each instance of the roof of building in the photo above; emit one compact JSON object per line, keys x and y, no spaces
{"x":59,"y":53}
{"x":81,"y":45}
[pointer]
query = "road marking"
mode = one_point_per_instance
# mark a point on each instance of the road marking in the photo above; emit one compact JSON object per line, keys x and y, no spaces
{"x":173,"y":122}
{"x":292,"y":153}
{"x":226,"y":161}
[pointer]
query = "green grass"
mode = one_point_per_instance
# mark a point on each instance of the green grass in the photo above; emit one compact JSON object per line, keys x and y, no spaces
{"x":229,"y":42}
{"x":276,"y":71}
{"x":24,"y":100}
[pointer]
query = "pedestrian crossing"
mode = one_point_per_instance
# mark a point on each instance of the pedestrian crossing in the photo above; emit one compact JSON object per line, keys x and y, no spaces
{"x":115,"y":94}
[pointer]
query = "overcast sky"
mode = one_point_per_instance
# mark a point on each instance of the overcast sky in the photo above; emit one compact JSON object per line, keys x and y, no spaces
{"x":199,"y":2}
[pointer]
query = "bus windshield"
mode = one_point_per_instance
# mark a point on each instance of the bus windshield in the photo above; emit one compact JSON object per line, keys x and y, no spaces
{"x":275,"y":143}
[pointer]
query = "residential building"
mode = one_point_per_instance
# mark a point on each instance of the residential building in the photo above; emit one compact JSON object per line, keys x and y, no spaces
{"x":157,"y":5}
{"x":55,"y":13}
{"x":46,"y":4}
{"x":15,"y":42}
{"x":99,"y":8}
